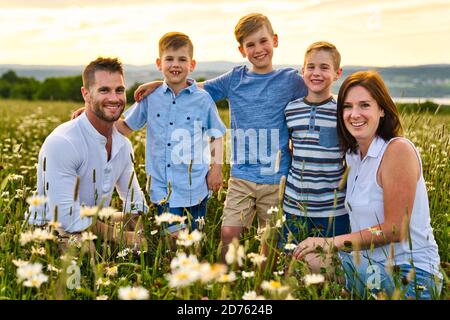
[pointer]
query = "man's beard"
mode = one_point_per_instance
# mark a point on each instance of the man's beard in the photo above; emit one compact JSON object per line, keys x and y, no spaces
{"x":98,"y":110}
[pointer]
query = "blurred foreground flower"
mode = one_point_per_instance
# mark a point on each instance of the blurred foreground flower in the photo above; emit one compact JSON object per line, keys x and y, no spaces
{"x":310,"y":279}
{"x":133,"y":293}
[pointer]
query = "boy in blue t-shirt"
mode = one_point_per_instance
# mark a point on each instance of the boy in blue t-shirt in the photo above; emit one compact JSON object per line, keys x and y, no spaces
{"x":179,"y":118}
{"x":257,"y":98}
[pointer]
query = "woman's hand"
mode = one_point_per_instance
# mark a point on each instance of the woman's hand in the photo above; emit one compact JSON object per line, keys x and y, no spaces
{"x":313,"y":244}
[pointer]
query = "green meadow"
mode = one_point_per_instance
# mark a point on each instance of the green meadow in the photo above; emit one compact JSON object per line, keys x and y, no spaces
{"x":31,"y":266}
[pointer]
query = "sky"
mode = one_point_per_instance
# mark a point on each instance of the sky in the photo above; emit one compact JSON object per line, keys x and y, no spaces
{"x":371,"y":33}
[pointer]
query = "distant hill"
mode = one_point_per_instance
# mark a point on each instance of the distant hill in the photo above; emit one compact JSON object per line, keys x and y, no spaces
{"x":431,"y":81}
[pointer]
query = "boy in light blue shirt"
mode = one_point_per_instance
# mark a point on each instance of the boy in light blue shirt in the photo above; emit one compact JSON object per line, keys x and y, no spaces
{"x":180,"y":118}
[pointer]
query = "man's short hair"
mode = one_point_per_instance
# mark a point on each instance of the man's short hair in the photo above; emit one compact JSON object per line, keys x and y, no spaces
{"x":175,"y":40}
{"x":100,"y":64}
{"x":328,"y":47}
{"x":249,"y":24}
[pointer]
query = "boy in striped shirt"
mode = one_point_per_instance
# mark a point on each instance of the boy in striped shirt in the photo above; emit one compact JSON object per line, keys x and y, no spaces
{"x":313,"y":204}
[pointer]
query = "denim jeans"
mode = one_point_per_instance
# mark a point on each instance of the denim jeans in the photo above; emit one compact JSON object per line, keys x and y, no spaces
{"x":304,"y":227}
{"x":371,"y":277}
{"x":195,"y":212}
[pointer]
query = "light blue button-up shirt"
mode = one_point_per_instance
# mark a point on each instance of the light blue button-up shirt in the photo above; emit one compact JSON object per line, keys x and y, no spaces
{"x":177,"y":146}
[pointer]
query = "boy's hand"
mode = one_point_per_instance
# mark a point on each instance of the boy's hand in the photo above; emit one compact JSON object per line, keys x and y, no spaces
{"x":145,"y":89}
{"x":77,"y":113}
{"x":214,"y":178}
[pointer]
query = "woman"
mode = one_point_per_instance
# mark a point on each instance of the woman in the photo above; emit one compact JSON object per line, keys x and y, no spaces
{"x":392,"y":241}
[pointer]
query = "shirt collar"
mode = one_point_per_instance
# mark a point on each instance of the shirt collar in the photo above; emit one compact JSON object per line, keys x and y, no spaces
{"x":89,"y":128}
{"x":375,"y":147}
{"x":190,"y":89}
{"x":117,"y":138}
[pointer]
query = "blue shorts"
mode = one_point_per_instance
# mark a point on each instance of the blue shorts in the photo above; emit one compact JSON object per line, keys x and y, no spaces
{"x":303,"y":227}
{"x":370,"y":277}
{"x":195,"y":212}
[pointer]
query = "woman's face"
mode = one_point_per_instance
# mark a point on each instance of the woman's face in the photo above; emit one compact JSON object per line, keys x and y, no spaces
{"x":361,"y":115}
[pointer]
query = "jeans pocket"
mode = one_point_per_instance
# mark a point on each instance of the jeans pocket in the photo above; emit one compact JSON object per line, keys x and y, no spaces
{"x":328,"y":137}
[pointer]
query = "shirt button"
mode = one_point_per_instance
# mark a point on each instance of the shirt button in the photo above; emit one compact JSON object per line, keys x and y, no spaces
{"x":171,"y":123}
{"x":158,"y":115}
{"x":168,"y":165}
{"x":168,"y":144}
{"x":173,"y":102}
{"x":189,"y":118}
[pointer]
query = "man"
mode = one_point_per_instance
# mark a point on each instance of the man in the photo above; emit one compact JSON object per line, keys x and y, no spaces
{"x":83,"y":159}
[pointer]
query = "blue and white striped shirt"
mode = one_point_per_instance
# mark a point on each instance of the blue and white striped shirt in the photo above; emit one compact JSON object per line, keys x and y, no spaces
{"x":317,"y":164}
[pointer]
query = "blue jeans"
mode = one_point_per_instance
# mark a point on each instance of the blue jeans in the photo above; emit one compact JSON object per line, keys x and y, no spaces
{"x":195,"y":212}
{"x":303,"y":227}
{"x":370,"y":277}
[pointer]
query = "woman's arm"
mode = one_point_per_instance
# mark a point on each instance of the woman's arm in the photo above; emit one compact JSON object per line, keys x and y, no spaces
{"x":398,"y":174}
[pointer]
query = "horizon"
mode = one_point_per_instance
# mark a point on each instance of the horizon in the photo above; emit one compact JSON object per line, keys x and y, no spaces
{"x":367,"y":33}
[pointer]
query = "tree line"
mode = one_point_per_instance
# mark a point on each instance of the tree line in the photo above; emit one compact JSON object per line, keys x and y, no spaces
{"x":55,"y":88}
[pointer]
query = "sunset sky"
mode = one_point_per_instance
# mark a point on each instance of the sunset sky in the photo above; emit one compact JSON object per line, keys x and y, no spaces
{"x":376,"y":33}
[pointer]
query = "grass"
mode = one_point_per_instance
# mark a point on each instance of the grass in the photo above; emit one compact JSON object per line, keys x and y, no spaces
{"x":83,"y":275}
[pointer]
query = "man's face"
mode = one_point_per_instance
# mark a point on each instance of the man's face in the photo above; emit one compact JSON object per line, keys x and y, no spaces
{"x":106,"y":97}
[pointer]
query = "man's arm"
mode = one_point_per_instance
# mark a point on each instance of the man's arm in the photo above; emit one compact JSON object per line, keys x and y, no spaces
{"x":57,"y":179}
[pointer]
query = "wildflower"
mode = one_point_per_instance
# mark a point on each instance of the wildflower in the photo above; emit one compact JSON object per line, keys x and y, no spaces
{"x":251,"y":295}
{"x":272,"y":210}
{"x":110,"y":213}
{"x":102,"y":297}
{"x":182,"y":277}
{"x":36,"y":201}
{"x":35,"y":280}
{"x":290,"y":297}
{"x":153,"y":232}
{"x":235,"y":253}
{"x":310,"y":279}
{"x":15,"y":177}
{"x":184,"y":261}
{"x":38,"y":235}
{"x":50,"y":268}
{"x":112,"y":271}
{"x":20,"y":263}
{"x":246,"y":274}
{"x":201,"y":223}
{"x":187,"y":239}
{"x":124,"y":253}
{"x":256,"y":259}
{"x":230,"y":277}
{"x":88,"y":211}
{"x":88,"y":236}
{"x":280,"y":222}
{"x":38,"y":251}
{"x":210,"y":272}
{"x":274,"y":286}
{"x":28,"y":270}
{"x":278,"y":273}
{"x":102,"y":282}
{"x":133,"y":293}
{"x":290,"y":246}
{"x":169,"y":218}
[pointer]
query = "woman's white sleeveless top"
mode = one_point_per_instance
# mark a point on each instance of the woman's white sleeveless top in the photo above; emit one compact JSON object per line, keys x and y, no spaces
{"x":365,"y":204}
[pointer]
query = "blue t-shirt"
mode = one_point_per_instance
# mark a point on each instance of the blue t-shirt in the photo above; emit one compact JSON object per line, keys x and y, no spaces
{"x":258,"y":125}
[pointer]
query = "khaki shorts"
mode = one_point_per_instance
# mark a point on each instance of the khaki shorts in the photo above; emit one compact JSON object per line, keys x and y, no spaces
{"x":245,"y":199}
